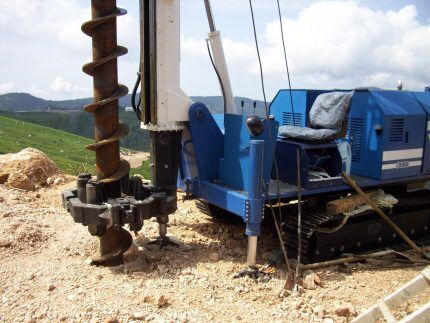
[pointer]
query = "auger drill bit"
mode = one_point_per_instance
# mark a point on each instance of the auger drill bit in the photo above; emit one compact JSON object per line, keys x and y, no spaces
{"x":110,"y":169}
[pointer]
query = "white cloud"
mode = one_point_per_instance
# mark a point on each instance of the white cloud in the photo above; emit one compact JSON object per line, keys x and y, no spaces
{"x":341,"y":43}
{"x":330,"y":44}
{"x":62,"y":86}
{"x":6,"y":87}
{"x":54,"y":20}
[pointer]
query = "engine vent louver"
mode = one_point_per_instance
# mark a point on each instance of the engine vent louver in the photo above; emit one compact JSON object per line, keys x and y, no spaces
{"x":397,"y":130}
{"x":356,"y":126}
{"x":287,"y":119}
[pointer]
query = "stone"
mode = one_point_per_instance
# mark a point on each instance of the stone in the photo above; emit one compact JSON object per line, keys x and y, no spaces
{"x":71,"y":297}
{"x":214,"y":256}
{"x":319,"y":311}
{"x":3,"y":178}
{"x":148,"y":299}
{"x":184,"y":211}
{"x":58,"y":181}
{"x":5,"y":243}
{"x":345,"y":310}
{"x":111,"y":320}
{"x":20,"y":180}
{"x":162,"y":301}
{"x":139,"y":316}
{"x":317,"y":280}
{"x":31,"y":162}
{"x":309,"y":280}
{"x":298,"y":305}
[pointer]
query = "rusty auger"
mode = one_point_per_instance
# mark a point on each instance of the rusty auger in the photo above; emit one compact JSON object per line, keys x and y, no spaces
{"x":107,"y":91}
{"x":110,"y":169}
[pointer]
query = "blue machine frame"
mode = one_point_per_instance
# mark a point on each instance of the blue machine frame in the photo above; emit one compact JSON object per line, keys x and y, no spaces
{"x":387,"y":132}
{"x":232,"y":167}
{"x":223,"y":164}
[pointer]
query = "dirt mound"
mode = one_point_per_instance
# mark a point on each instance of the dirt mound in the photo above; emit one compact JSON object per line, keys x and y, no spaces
{"x":26,"y":169}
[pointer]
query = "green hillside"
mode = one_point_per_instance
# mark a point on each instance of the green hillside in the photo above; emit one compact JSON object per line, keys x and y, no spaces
{"x":82,"y":123}
{"x":65,"y":149}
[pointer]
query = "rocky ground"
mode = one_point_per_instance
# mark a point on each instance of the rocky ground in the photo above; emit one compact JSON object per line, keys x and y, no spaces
{"x":45,"y":275}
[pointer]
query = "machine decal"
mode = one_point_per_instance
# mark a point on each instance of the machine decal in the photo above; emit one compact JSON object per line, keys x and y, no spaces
{"x":401,"y":164}
{"x":393,"y":155}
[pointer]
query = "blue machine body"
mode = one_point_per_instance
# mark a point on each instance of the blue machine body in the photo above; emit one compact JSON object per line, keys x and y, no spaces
{"x":424,"y":99}
{"x":386,"y":129}
{"x":223,"y":164}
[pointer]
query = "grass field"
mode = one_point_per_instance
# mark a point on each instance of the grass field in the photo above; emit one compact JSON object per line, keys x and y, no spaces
{"x":65,"y":149}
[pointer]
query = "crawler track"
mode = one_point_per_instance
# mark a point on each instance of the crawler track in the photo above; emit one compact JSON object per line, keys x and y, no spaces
{"x":360,"y":233}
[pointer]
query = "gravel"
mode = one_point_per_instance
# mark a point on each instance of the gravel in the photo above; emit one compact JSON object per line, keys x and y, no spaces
{"x":45,"y":276}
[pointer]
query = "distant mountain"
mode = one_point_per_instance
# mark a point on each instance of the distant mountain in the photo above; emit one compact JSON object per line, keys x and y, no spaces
{"x":15,"y":102}
{"x":26,"y":102}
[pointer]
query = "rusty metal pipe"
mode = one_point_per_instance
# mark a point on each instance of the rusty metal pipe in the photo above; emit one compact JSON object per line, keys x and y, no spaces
{"x":108,"y":130}
{"x":105,"y":82}
{"x":104,"y":69}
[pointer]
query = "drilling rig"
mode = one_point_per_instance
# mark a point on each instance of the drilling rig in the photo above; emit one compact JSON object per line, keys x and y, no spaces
{"x":311,"y":146}
{"x":110,"y":201}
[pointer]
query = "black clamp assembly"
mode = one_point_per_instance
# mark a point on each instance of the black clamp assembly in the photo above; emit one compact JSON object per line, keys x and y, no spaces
{"x":89,"y":205}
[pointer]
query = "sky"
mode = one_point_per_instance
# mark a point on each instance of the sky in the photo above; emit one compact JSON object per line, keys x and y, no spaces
{"x":330,"y":44}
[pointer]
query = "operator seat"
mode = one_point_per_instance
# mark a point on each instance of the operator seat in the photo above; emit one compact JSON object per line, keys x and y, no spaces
{"x":328,"y":118}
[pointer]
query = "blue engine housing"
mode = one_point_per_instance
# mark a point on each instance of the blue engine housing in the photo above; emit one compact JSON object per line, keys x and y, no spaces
{"x":424,"y":99}
{"x":386,"y":130}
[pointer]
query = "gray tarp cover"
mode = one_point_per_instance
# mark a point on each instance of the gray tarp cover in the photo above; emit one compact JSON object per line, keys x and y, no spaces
{"x":326,"y":117}
{"x":304,"y":133}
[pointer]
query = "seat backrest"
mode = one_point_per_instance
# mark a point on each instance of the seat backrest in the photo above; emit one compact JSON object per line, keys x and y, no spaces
{"x":330,"y":110}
